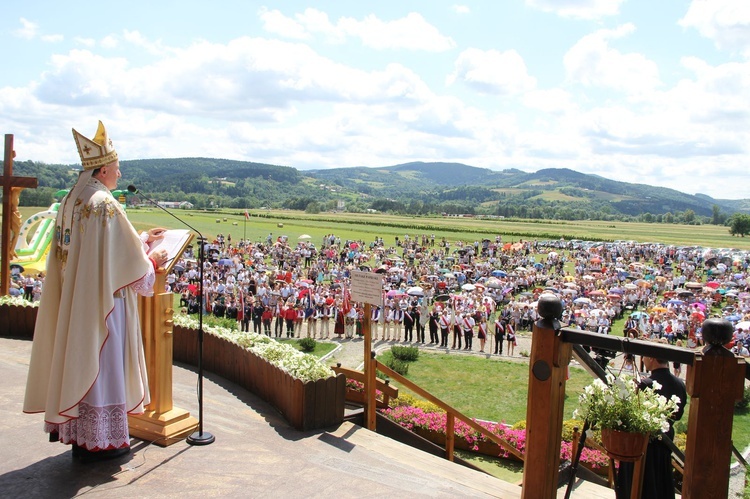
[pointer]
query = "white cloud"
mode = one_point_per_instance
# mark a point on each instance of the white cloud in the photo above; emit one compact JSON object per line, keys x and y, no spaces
{"x":461,"y":9}
{"x":552,"y":101}
{"x":492,"y":72}
{"x":86,"y":42}
{"x":726,"y":22}
{"x":248,"y":78}
{"x":28,"y":29}
{"x":277,"y":23}
{"x":592,"y":62}
{"x":52,"y":38}
{"x":412,"y":32}
{"x":578,"y":9}
{"x":110,"y":42}
{"x":137,"y":39}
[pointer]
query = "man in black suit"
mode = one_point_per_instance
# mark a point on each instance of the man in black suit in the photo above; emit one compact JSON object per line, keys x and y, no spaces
{"x":657,"y":472}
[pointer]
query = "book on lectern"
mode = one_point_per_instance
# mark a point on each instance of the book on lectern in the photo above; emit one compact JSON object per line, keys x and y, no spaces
{"x":174,"y":241}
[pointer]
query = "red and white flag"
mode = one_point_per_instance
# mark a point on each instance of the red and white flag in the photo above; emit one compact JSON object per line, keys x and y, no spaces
{"x":247,"y":215}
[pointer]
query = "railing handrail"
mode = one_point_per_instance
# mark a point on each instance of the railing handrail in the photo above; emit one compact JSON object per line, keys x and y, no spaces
{"x":628,"y":345}
{"x":450,"y":410}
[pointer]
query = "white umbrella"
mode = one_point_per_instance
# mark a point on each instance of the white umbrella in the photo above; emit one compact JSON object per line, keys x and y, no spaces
{"x":415,"y":291}
{"x":468,"y":287}
{"x":305,"y":236}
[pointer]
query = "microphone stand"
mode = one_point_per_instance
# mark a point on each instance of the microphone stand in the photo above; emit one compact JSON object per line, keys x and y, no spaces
{"x":199,"y":437}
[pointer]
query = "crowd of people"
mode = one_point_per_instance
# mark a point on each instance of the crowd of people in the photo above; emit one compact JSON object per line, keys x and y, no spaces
{"x":449,"y":293}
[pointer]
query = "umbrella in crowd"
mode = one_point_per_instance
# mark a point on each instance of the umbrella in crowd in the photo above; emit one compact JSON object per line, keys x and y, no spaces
{"x":415,"y":291}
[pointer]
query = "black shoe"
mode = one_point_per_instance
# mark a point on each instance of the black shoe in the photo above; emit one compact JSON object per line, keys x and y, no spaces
{"x":86,"y":456}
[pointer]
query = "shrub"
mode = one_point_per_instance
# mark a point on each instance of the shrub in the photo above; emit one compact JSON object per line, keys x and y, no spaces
{"x":742,"y":405}
{"x":213,"y":321}
{"x":399,"y":366}
{"x":405,"y":353}
{"x":307,"y":344}
{"x":407,"y":399}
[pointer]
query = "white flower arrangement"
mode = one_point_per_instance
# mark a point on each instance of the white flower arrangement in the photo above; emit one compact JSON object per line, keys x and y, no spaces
{"x":620,"y":405}
{"x":18,"y":301}
{"x":300,"y":365}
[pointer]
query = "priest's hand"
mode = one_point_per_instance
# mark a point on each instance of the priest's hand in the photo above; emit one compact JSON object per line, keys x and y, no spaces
{"x":155,"y":234}
{"x":159,"y":257}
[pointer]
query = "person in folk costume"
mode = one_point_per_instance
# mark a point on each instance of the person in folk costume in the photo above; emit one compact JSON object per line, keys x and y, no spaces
{"x":445,"y":326}
{"x":375,"y":314}
{"x":290,"y":314}
{"x":468,"y":323}
{"x":397,"y":322}
{"x":300,"y":309}
{"x":433,"y":326}
{"x":482,"y":331}
{"x":458,"y":332}
{"x":278,"y":313}
{"x":360,"y":319}
{"x":510,"y":337}
{"x":409,"y":320}
{"x":310,"y":319}
{"x":87,"y":370}
{"x":499,"y":335}
{"x":351,"y":320}
{"x":325,"y":319}
{"x":257,"y":314}
{"x":247,"y":314}
{"x":387,"y":320}
{"x":266,"y":318}
{"x":424,"y":318}
{"x":339,"y":326}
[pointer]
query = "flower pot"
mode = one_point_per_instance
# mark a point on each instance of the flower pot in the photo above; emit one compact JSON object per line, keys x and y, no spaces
{"x":623,"y":445}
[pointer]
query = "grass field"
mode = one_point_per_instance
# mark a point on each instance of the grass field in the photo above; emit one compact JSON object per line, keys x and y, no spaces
{"x":367,"y":226}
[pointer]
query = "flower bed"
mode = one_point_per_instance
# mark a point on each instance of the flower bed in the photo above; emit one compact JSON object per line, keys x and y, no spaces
{"x":303,"y":389}
{"x":432,"y":426}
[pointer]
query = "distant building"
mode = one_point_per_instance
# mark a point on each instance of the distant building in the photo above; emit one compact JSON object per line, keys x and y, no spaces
{"x":182,"y":205}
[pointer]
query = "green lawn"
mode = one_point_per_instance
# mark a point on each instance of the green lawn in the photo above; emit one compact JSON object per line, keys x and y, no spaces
{"x":321,"y":348}
{"x":496,"y":389}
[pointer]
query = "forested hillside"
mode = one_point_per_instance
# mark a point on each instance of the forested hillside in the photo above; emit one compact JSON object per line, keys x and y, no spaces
{"x":412,"y":188}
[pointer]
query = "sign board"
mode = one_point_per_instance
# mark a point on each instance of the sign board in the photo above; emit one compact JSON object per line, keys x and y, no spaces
{"x":367,"y":287}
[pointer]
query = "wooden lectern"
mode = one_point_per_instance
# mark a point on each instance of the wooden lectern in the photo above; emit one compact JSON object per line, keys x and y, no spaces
{"x":161,"y":423}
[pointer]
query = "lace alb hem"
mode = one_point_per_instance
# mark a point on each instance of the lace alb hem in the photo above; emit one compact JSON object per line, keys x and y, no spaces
{"x":96,"y":428}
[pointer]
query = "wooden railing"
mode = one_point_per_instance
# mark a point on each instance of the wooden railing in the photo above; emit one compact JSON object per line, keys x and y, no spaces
{"x":715,"y":381}
{"x":452,"y":415}
{"x":384,"y":387}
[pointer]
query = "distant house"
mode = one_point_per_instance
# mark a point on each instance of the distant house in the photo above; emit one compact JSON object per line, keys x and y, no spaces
{"x":183,"y":205}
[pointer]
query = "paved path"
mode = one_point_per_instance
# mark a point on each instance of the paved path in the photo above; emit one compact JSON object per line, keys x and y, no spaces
{"x":351,"y":352}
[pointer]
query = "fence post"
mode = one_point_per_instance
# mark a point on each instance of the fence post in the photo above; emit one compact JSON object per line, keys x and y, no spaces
{"x":548,"y":369}
{"x":450,"y":435}
{"x":714,"y":382}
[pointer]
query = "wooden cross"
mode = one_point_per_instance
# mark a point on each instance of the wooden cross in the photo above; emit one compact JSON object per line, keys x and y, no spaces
{"x":10,"y":183}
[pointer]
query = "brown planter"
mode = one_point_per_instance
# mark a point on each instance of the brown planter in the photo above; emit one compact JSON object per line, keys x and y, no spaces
{"x":624,"y":446}
{"x":17,"y":321}
{"x":306,"y":406}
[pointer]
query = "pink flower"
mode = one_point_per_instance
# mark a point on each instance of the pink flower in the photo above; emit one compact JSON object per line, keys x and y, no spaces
{"x":412,"y":417}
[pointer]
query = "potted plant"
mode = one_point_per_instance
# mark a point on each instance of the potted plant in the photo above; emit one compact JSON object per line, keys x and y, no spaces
{"x":626,"y":414}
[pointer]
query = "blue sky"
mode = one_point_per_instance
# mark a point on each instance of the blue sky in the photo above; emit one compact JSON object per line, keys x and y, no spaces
{"x":634,"y":90}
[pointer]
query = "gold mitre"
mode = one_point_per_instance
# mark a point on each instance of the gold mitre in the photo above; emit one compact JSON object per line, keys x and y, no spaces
{"x":97,"y":152}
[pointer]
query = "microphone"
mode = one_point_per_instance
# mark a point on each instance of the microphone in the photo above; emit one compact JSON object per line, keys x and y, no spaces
{"x":199,"y":437}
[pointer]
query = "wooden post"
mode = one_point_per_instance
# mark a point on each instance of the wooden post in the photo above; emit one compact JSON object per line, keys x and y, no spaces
{"x":10,"y":185}
{"x":450,"y":435}
{"x":714,"y":382}
{"x":369,"y":360}
{"x":544,"y":411}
